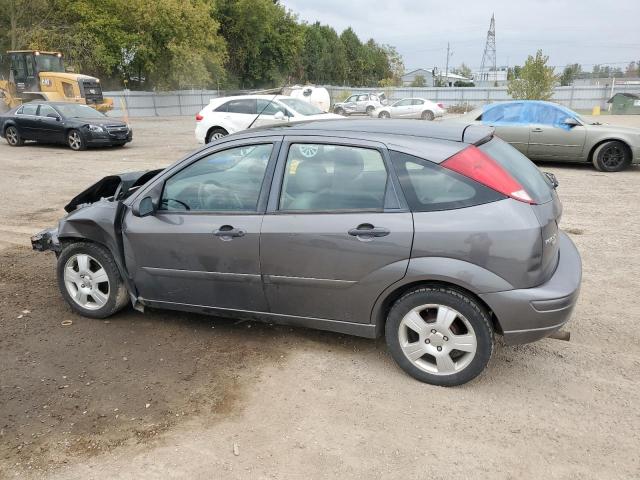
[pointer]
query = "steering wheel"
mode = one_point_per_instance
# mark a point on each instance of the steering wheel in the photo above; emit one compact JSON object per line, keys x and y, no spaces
{"x":212,"y":191}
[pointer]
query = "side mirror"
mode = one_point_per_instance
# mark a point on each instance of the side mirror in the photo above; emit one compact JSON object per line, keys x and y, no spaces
{"x":571,"y":122}
{"x":53,"y":115}
{"x":144,"y":207}
{"x":279,"y":115}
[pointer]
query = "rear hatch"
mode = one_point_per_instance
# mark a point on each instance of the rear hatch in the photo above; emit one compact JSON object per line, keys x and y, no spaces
{"x":544,"y":200}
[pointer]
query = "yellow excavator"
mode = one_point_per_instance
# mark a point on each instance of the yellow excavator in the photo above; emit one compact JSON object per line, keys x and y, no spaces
{"x":27,"y":75}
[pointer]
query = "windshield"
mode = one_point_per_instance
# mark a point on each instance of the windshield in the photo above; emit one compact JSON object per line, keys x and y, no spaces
{"x":80,"y":111}
{"x":301,"y":107}
{"x":49,"y":63}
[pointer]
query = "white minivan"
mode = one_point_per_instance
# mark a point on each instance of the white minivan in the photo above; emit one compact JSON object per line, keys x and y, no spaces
{"x":227,"y":115}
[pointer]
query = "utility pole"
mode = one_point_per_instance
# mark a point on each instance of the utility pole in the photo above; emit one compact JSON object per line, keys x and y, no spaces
{"x":446,"y":70}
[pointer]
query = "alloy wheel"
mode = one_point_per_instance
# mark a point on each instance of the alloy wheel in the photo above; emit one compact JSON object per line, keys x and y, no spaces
{"x":86,"y":281}
{"x":12,"y":135}
{"x":613,"y":156}
{"x":437,"y":339}
{"x":75,"y":142}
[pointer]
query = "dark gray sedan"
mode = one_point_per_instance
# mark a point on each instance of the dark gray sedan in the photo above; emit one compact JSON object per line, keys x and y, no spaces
{"x":437,"y":237}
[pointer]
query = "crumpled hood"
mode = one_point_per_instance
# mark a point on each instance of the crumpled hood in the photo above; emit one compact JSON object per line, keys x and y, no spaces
{"x":116,"y":186}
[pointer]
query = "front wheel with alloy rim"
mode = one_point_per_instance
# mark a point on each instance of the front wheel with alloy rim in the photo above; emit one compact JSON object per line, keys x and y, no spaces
{"x":439,"y":336}
{"x":340,"y":111}
{"x":612,"y":156}
{"x":216,"y":134}
{"x":89,"y":280}
{"x":75,"y":140}
{"x":384,"y":115}
{"x":13,"y":137}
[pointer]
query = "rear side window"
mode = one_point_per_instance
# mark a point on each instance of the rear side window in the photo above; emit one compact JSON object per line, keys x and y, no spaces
{"x":520,"y":168}
{"x":429,"y":187}
{"x":247,"y":106}
{"x":29,"y":109}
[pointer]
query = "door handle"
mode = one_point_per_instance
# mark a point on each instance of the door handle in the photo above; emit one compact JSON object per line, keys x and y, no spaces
{"x":367,"y":230}
{"x":536,"y":130}
{"x":228,"y":232}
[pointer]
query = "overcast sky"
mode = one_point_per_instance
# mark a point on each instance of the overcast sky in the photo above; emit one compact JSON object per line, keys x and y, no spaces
{"x":582,"y":31}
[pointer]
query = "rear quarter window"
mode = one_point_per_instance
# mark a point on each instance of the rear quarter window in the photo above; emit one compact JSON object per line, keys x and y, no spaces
{"x":520,"y":168}
{"x":429,"y":187}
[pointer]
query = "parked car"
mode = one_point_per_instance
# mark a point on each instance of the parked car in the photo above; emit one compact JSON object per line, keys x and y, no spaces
{"x":410,"y":108}
{"x":78,"y":126}
{"x":360,"y":103}
{"x":548,"y":131}
{"x":435,"y":236}
{"x":227,"y":115}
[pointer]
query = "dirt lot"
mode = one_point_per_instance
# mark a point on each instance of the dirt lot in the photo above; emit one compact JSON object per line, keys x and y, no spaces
{"x":168,"y":395}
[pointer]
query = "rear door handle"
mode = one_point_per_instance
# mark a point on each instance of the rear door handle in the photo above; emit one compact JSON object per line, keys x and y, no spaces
{"x":366,"y":230}
{"x":227,"y":232}
{"x":537,"y":130}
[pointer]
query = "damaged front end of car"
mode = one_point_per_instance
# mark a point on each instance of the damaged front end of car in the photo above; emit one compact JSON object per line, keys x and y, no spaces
{"x":112,"y":189}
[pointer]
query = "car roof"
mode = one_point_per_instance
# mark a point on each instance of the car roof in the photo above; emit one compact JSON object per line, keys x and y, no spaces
{"x":434,"y":141}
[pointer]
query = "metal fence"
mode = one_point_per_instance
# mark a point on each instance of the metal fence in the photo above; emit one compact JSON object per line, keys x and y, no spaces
{"x":190,"y":102}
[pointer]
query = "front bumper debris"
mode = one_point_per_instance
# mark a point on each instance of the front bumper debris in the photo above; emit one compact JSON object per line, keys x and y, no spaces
{"x":46,"y":240}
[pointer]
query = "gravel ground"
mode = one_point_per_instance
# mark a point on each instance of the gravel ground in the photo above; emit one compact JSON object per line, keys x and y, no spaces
{"x":172,"y":395}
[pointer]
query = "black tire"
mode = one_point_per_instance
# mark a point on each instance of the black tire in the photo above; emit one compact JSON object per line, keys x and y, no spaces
{"x":117,"y":296}
{"x":340,"y":111}
{"x":428,"y":115}
{"x":384,"y":115}
{"x":611,"y":156}
{"x":75,"y":140}
{"x":120,"y":144}
{"x":13,"y":137}
{"x":216,"y":134}
{"x":468,"y":308}
{"x":369,"y":109}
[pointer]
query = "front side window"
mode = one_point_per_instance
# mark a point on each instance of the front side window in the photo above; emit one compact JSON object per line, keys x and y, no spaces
{"x":352,"y":98}
{"x":301,"y":107}
{"x":266,"y":107}
{"x":46,"y":110}
{"x":506,"y":113}
{"x":229,"y":180}
{"x":403,"y":103}
{"x":429,"y":187}
{"x":326,"y":178}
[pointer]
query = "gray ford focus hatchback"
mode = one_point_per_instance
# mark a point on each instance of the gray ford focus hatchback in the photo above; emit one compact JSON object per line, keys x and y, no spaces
{"x":438,"y":237}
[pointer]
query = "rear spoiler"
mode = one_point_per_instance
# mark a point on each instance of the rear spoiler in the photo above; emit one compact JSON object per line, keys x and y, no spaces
{"x":116,"y":186}
{"x":477,"y":134}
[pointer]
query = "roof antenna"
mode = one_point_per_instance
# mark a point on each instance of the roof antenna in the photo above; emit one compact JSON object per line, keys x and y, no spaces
{"x":265,"y":107}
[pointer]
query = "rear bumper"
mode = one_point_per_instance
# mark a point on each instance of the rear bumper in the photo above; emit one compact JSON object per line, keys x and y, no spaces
{"x":530,"y":314}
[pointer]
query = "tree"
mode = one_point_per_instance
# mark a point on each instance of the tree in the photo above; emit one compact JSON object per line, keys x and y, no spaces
{"x":463,"y":70}
{"x":536,"y":80}
{"x":569,"y":74}
{"x":419,"y":81}
{"x":354,"y":56}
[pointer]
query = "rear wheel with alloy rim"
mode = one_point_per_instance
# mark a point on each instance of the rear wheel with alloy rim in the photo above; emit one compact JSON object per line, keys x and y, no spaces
{"x":75,"y":140}
{"x":428,"y":115}
{"x":439,"y":336}
{"x":611,"y":156}
{"x":89,"y":280}
{"x":13,"y":137}
{"x":216,"y":134}
{"x":384,"y":115}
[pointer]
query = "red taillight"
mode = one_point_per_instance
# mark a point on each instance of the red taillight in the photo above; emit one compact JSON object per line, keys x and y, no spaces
{"x":475,"y":164}
{"x":199,"y":117}
{"x":441,"y":105}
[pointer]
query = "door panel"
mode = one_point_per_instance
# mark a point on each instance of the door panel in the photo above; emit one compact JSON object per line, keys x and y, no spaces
{"x":49,"y":129}
{"x":201,"y":247}
{"x":517,"y":135}
{"x":548,"y":141}
{"x":313,"y":267}
{"x":179,"y":259}
{"x":27,"y":122}
{"x":328,"y":248}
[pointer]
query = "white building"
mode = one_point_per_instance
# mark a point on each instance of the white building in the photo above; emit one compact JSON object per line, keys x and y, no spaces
{"x":489,"y":79}
{"x":449,"y":80}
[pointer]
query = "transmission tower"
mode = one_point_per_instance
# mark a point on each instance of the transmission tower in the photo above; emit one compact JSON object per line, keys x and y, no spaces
{"x":488,"y":69}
